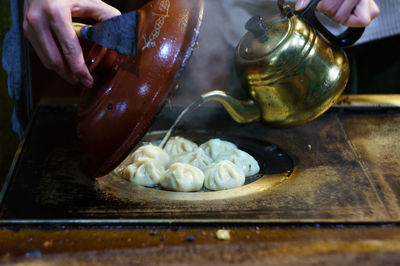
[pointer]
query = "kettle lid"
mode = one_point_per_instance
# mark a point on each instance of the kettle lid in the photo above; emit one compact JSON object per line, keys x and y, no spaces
{"x":263,"y":36}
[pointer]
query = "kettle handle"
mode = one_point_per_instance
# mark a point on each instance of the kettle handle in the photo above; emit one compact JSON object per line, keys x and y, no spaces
{"x":344,"y":39}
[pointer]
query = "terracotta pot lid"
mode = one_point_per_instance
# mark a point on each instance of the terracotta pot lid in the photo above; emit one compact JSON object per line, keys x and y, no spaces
{"x":128,"y":92}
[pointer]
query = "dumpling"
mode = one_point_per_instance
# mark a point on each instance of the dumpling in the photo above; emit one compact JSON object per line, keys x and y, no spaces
{"x":152,"y":152}
{"x":197,"y":158}
{"x":182,"y":177}
{"x":223,"y":175}
{"x":146,"y":151}
{"x":243,"y":160}
{"x":215,"y":147}
{"x":178,"y":145}
{"x":145,"y":172}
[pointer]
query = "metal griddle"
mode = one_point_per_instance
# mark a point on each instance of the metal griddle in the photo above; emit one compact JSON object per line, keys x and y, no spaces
{"x":340,"y":168}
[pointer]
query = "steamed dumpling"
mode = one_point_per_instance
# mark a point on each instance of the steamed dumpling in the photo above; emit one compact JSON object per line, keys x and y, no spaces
{"x":197,"y":158}
{"x":178,"y":145}
{"x":182,"y":177}
{"x":243,"y":160}
{"x":215,"y":147}
{"x":146,"y":151}
{"x":223,"y":175}
{"x":152,"y":152}
{"x":145,"y":172}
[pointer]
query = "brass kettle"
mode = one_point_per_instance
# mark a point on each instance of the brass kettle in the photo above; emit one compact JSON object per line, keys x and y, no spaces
{"x":292,"y":66}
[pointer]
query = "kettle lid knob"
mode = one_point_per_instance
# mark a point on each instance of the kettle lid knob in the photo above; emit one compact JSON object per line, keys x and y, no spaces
{"x":256,"y":26}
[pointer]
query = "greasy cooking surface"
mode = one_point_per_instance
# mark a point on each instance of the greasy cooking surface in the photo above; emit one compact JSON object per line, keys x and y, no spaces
{"x":345,"y":170}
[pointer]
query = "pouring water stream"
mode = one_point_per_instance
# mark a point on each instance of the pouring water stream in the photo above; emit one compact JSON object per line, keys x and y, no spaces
{"x":242,"y":111}
{"x":186,"y":112}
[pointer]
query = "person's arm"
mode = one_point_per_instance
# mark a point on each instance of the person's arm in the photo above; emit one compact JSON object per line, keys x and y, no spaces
{"x":48,"y":26}
{"x":352,"y":13}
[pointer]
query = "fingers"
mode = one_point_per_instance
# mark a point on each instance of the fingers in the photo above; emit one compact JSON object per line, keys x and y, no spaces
{"x":364,"y":13}
{"x":330,"y":7}
{"x":301,"y":4}
{"x":360,"y":16}
{"x":48,"y":26}
{"x":61,"y":24}
{"x":352,"y":13}
{"x":94,"y":9}
{"x":374,"y":9}
{"x":37,"y":30}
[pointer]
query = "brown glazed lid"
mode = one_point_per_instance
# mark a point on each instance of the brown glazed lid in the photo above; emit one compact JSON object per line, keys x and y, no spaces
{"x":128,"y":92}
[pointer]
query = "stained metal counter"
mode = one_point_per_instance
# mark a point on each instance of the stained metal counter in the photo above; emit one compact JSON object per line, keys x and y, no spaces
{"x":340,"y":204}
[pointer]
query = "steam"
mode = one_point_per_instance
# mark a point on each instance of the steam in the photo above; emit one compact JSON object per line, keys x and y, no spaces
{"x":211,"y":66}
{"x":208,"y":67}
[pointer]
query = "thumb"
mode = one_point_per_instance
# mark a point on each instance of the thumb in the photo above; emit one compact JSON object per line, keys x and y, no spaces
{"x":93,"y":9}
{"x":301,"y":4}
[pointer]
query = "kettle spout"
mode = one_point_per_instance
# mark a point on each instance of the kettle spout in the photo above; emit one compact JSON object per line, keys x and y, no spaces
{"x":240,"y":111}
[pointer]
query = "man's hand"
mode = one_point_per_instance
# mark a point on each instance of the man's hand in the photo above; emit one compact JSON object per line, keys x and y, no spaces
{"x":48,"y":26}
{"x":352,"y":13}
